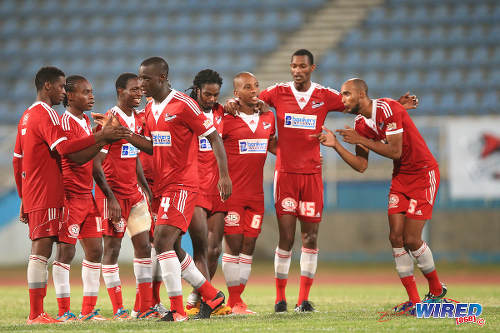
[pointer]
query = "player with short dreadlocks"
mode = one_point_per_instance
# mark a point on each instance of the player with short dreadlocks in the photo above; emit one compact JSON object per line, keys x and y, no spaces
{"x":207,"y":225}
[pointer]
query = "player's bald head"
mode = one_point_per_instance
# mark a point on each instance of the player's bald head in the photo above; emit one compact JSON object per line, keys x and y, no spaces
{"x":159,"y":64}
{"x":240,"y":79}
{"x":357,"y":85}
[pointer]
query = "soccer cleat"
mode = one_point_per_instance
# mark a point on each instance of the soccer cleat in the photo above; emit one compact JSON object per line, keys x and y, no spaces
{"x":161,"y":309}
{"x":242,"y":309}
{"x":134,"y":314}
{"x":192,"y":310}
{"x":92,"y":316}
{"x":122,"y":314}
{"x":280,"y":307}
{"x":305,"y":306}
{"x":206,"y":308}
{"x":67,"y":317}
{"x":149,"y":314}
{"x":43,"y":318}
{"x":222,"y":310}
{"x":407,"y":308}
{"x":430,"y":298}
{"x":173,"y":316}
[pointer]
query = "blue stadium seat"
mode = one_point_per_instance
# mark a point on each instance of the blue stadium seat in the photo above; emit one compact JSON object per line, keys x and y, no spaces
{"x":454,"y":79}
{"x":448,"y":103}
{"x":416,"y":58}
{"x":458,"y":57}
{"x":469,"y":102}
{"x":437,"y":57}
{"x":475,"y":79}
{"x":432,"y":80}
{"x":330,"y":61}
{"x":490,"y":101}
{"x":411,"y":80}
{"x":427,"y":105}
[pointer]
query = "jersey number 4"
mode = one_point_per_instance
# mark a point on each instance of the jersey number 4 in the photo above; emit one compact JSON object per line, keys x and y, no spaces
{"x":165,"y":203}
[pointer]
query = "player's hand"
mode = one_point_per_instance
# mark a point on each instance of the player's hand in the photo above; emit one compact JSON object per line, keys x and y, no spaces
{"x":232,"y":106}
{"x":114,"y":210}
{"x":408,"y":101}
{"x":261,"y":107}
{"x":112,"y":130}
{"x":101,"y":118}
{"x":326,"y":138}
{"x":225,"y":187}
{"x":23,"y":217}
{"x":350,"y":135}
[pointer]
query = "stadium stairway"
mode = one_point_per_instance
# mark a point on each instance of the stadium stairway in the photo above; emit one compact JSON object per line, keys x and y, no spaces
{"x":321,"y":31}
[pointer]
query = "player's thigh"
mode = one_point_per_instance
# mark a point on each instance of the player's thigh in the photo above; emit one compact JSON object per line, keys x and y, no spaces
{"x":396,"y":229}
{"x":141,"y":244}
{"x":198,"y":229}
{"x":233,"y":243}
{"x":139,"y":219}
{"x":412,"y":234}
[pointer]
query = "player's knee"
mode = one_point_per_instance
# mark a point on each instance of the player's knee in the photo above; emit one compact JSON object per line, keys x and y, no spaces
{"x":396,"y":240}
{"x":94,"y":255}
{"x":66,"y":253}
{"x":214,"y":251}
{"x":112,"y":252}
{"x":286,"y":240}
{"x":310,"y":240}
{"x":412,"y":242}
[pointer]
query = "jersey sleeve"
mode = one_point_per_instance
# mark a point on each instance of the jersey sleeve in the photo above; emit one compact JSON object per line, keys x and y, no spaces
{"x":273,"y":125}
{"x":50,"y":129}
{"x":333,"y":100}
{"x":394,"y":121}
{"x":196,"y":120}
{"x":17,"y":163}
{"x":268,"y":95}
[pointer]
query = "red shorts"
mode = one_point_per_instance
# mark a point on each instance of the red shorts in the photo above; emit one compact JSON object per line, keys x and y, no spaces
{"x":211,"y":202}
{"x":300,"y":195}
{"x":44,"y":222}
{"x":177,"y":208}
{"x":81,"y":219}
{"x":117,"y":230}
{"x":244,"y":217}
{"x":414,"y":195}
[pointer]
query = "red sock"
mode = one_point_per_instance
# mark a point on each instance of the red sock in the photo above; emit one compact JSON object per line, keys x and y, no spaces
{"x":241,"y":289}
{"x":177,"y":305}
{"x":137,"y":300}
{"x":305,"y":286}
{"x":63,"y":304}
{"x":280,"y":289}
{"x":435,"y":286}
{"x":115,"y":295}
{"x":234,"y":295}
{"x":36,"y":301}
{"x":207,"y":291}
{"x":146,"y":296}
{"x":88,"y":304}
{"x":411,"y":288}
{"x":156,"y":292}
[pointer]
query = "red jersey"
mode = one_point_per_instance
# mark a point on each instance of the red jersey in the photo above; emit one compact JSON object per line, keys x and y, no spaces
{"x":77,"y":178}
{"x":146,"y":159}
{"x":174,"y":126}
{"x":120,"y":165}
{"x":208,"y":170}
{"x":246,"y":139}
{"x":38,"y":134}
{"x":388,"y":118}
{"x":300,"y":114}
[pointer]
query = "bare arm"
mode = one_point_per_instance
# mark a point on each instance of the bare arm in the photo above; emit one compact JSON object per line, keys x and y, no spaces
{"x":272,"y":145}
{"x":392,"y":149}
{"x":141,"y":179}
{"x":141,"y":142}
{"x":224,"y":185}
{"x":114,"y":210}
{"x":358,"y":162}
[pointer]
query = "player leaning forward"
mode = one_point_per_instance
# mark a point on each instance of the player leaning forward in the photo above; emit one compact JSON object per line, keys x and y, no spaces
{"x":383,"y":126}
{"x":173,"y":124}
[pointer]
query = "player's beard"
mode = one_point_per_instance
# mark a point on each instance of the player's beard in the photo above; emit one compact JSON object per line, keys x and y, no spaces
{"x":355,"y":109}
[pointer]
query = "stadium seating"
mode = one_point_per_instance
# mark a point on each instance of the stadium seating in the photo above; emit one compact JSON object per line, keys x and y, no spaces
{"x":446,"y":52}
{"x":100,"y":40}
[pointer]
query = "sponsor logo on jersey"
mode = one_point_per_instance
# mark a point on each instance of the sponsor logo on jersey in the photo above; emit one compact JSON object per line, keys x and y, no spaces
{"x":253,"y":146}
{"x":302,"y":121}
{"x":204,"y":144}
{"x":161,"y":138}
{"x":232,"y":219}
{"x":74,"y":230}
{"x":129,"y":151}
{"x":169,"y":117}
{"x":391,"y":126}
{"x":266,"y":125}
{"x":289,"y":204}
{"x":317,"y":104}
{"x":393,"y":201}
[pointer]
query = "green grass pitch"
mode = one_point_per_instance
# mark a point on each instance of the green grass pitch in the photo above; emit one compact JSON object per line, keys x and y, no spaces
{"x":340,"y":308}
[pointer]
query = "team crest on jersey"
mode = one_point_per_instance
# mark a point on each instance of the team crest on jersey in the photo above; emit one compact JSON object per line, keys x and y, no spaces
{"x":74,"y":230}
{"x":391,"y":126}
{"x":169,"y":117}
{"x":266,"y":125}
{"x":232,"y":219}
{"x":289,"y":204}
{"x":393,"y":201}
{"x":204,"y":144}
{"x":161,"y":138}
{"x":129,"y":151}
{"x":120,"y":225}
{"x":302,"y":121}
{"x":317,"y":104}
{"x":253,"y":146}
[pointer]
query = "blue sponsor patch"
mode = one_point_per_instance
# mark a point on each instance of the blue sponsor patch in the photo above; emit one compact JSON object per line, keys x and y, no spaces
{"x":161,"y":138}
{"x":253,"y":146}
{"x":302,"y":121}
